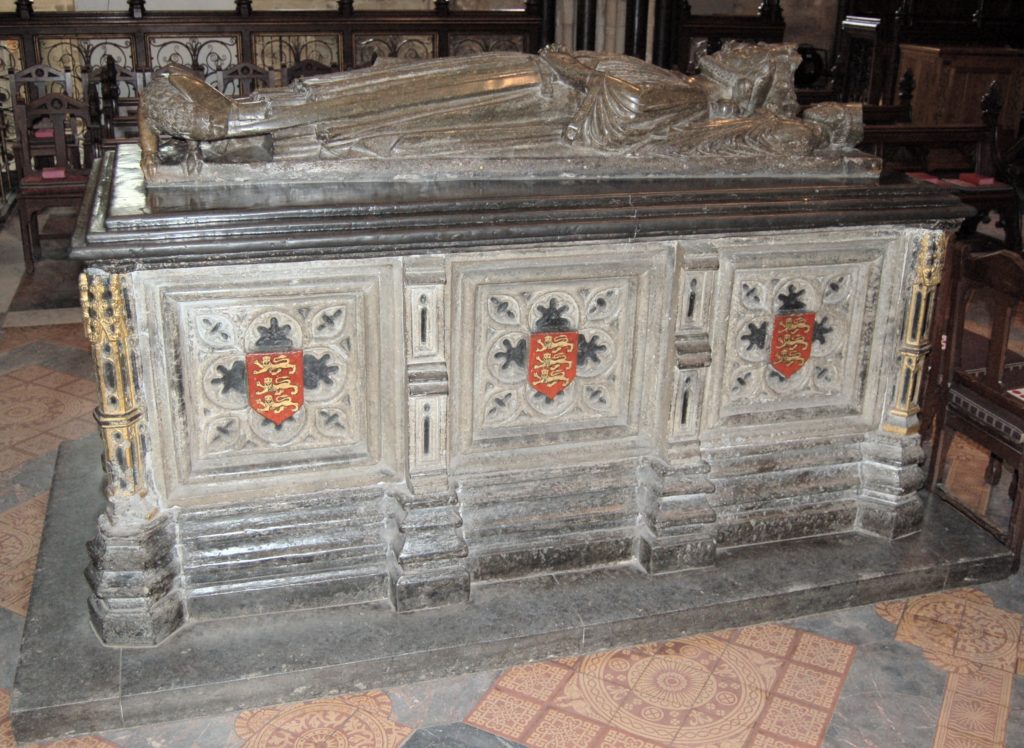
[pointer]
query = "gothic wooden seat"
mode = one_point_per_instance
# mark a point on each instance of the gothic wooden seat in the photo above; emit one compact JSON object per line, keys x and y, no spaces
{"x":54,"y":157}
{"x":981,"y":391}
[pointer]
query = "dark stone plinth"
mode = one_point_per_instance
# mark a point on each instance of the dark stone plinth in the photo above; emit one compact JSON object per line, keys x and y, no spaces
{"x":137,"y":599}
{"x":428,"y":566}
{"x":67,"y":681}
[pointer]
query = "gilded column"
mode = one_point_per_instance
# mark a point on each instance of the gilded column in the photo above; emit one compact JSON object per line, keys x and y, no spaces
{"x":891,"y":472}
{"x":916,"y":344}
{"x":118,"y":413}
{"x":135,"y":570}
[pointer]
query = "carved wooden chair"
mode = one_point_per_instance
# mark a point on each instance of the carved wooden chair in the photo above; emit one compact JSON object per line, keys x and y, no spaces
{"x":305,"y":69}
{"x":241,"y":79}
{"x":55,"y":153}
{"x":981,"y":393}
{"x":113,"y":96}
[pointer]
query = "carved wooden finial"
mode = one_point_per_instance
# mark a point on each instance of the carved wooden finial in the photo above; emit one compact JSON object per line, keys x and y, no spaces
{"x":243,"y":8}
{"x":345,"y":7}
{"x":442,"y":7}
{"x":23,"y":8}
{"x":770,"y":10}
{"x":991,"y":105}
{"x":906,"y":87}
{"x":137,"y":9}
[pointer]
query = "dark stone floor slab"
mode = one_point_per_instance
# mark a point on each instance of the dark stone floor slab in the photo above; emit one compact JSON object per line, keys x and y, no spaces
{"x":456,"y":735}
{"x":67,"y":681}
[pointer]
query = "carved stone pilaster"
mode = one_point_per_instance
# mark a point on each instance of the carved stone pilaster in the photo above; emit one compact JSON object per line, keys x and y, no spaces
{"x":135,"y":565}
{"x":428,"y":551}
{"x":677,"y":523}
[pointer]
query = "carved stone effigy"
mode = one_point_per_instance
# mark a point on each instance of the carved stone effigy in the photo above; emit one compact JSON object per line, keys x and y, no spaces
{"x":511,"y":115}
{"x":323,"y":392}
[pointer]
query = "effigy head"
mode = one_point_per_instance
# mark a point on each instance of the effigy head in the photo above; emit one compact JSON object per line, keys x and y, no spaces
{"x":844,"y":123}
{"x":754,"y":76}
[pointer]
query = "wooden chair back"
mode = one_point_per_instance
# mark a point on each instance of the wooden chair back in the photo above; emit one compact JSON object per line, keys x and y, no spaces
{"x":113,"y":97}
{"x":54,"y":138}
{"x":981,"y":387}
{"x":241,"y":79}
{"x":305,"y":69}
{"x":39,"y":80}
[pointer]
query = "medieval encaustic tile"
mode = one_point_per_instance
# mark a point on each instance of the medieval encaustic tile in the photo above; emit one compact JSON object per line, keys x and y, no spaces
{"x":356,"y":720}
{"x":20,"y":531}
{"x":764,"y":685}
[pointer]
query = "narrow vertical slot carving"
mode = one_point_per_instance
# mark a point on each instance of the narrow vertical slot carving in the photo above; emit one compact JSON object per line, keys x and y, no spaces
{"x":426,"y":430}
{"x":691,"y":304}
{"x":423,"y":320}
{"x":684,"y":405}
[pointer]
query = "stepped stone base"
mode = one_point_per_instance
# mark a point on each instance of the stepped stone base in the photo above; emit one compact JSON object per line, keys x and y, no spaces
{"x":68,"y":682}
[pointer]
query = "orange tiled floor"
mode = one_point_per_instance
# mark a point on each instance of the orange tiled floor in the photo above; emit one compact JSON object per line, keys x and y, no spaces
{"x":953,"y":661}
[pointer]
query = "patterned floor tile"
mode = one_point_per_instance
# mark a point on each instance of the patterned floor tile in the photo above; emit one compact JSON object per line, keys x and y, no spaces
{"x":557,"y":729}
{"x":794,"y":722}
{"x":352,"y":721}
{"x":505,"y":714}
{"x":70,"y":335}
{"x":723,"y":689}
{"x":11,"y":459}
{"x":20,"y":531}
{"x":974,"y":716}
{"x":29,"y":409}
{"x":619,"y":665}
{"x":981,"y":664}
{"x":539,"y":680}
{"x":769,"y":638}
{"x":6,"y":732}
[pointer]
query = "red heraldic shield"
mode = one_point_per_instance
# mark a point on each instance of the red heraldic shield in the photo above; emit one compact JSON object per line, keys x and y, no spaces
{"x":792,"y":338}
{"x":552,"y":361}
{"x":275,"y":384}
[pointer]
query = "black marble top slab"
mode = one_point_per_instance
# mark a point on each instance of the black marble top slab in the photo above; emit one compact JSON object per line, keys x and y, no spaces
{"x":127,"y":226}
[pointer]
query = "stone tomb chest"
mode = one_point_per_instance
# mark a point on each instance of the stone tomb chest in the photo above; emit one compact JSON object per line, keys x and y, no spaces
{"x":367,"y":392}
